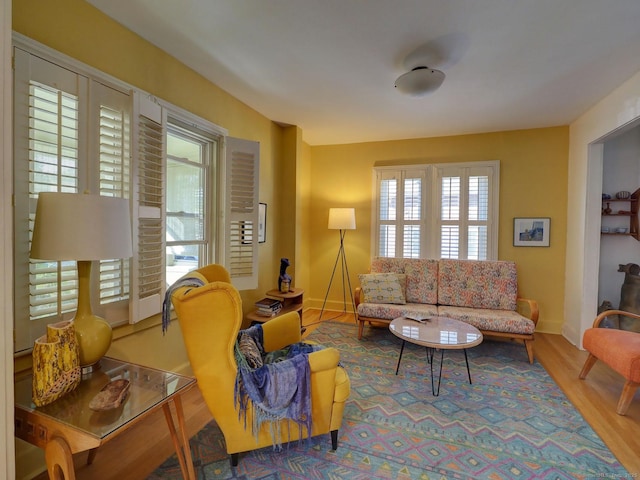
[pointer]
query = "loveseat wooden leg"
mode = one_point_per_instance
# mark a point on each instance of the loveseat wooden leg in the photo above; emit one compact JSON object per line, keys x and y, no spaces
{"x":589,"y":362}
{"x":528,"y":344}
{"x":334,"y":439}
{"x":626,"y":396}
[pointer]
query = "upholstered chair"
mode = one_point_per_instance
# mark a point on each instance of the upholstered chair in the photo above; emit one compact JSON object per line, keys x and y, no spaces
{"x":210,"y":318}
{"x":619,"y":349}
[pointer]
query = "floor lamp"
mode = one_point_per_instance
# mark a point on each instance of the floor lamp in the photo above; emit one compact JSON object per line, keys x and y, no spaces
{"x":341,"y":219}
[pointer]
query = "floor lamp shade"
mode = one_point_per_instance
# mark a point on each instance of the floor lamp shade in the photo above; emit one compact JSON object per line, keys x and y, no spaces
{"x":83,"y":227}
{"x":342,"y":219}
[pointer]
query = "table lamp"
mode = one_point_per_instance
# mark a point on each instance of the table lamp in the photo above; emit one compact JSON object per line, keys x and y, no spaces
{"x":83,"y":227}
{"x":341,"y":219}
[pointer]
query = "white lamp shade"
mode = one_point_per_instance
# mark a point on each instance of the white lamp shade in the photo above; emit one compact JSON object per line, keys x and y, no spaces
{"x":342,"y":218}
{"x":419,"y":81}
{"x":77,"y":226}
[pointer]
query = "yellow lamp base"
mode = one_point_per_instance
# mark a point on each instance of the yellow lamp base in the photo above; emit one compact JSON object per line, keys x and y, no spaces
{"x":93,"y":333}
{"x":94,"y":338}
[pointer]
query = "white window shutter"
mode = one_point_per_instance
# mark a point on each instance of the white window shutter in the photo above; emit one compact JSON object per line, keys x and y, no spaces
{"x":49,"y":112}
{"x":149,"y":183}
{"x":241,"y":212}
{"x":112,"y":112}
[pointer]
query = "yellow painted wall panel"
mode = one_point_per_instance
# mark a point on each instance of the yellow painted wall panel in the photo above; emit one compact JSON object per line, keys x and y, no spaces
{"x":533,"y":179}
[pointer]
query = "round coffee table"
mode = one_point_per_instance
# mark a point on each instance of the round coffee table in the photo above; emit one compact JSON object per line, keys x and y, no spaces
{"x":436,"y":333}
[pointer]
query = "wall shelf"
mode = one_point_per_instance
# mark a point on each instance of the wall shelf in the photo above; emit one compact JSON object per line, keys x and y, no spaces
{"x":631,"y":213}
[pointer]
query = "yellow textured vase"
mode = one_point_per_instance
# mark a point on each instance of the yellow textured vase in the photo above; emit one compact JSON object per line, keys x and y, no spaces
{"x":56,"y":364}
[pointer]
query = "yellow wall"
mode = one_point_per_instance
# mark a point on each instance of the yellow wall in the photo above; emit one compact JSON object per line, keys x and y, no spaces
{"x":533,"y":179}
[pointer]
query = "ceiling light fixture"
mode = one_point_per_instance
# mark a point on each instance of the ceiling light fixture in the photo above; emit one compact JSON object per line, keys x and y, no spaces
{"x":419,"y":81}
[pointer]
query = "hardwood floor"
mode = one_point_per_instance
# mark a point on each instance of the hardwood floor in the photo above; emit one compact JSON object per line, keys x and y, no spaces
{"x":137,"y":452}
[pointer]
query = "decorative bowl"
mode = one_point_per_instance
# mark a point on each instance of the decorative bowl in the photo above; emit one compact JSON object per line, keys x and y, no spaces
{"x":604,"y":230}
{"x":606,"y":196}
{"x":621,"y":230}
{"x":622,"y":195}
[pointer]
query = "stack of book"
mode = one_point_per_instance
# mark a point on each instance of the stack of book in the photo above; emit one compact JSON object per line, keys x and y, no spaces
{"x":268,"y":307}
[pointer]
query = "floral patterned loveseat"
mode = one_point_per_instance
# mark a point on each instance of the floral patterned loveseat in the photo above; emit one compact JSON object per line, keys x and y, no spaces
{"x":481,"y":293}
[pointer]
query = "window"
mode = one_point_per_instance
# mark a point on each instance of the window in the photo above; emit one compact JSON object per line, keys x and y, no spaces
{"x":77,"y":129}
{"x":189,"y":160}
{"x":437,"y":211}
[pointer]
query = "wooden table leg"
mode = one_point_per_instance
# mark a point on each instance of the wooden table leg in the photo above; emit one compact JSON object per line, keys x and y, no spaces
{"x":180,"y":439}
{"x":92,"y":456}
{"x":59,"y":460}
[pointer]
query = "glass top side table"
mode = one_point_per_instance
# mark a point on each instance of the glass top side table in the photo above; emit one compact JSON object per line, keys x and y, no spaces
{"x":69,"y":426}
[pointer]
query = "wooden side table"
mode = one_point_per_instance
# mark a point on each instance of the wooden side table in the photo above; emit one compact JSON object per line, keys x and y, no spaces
{"x":291,"y":302}
{"x":69,"y":426}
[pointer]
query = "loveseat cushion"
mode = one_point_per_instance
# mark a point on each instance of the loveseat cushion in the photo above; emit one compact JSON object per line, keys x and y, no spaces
{"x":422,"y":280}
{"x":478,"y":284}
{"x":389,"y":312}
{"x":422,"y":276}
{"x":506,"y":321}
{"x":383,"y":287}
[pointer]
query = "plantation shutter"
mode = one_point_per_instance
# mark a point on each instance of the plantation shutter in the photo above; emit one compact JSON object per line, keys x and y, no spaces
{"x":113,"y":112}
{"x":413,"y":212}
{"x":387,"y":183}
{"x":400,"y":199}
{"x":49,"y":142}
{"x":450,"y":198}
{"x":468,"y":207}
{"x":149,"y":184}
{"x":241,"y":212}
{"x":478,"y":217}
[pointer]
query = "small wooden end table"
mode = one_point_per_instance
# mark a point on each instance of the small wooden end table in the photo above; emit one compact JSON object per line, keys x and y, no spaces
{"x":436,"y":333}
{"x":291,"y":302}
{"x":69,"y":426}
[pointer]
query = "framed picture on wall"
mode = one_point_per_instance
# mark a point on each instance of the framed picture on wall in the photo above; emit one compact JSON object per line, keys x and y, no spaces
{"x":262,"y":222}
{"x":531,"y":232}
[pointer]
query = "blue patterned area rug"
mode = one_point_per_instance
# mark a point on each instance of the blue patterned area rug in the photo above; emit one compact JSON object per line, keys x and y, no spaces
{"x":513,"y":422}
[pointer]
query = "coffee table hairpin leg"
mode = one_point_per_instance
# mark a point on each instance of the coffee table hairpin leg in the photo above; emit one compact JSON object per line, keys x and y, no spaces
{"x":400,"y":357}
{"x":430,"y":353}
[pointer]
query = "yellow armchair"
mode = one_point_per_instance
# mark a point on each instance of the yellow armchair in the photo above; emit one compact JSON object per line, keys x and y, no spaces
{"x":210,"y":317}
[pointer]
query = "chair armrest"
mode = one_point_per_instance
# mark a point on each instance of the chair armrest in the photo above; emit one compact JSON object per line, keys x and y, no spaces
{"x":325,"y":359}
{"x":607,"y":313}
{"x":528,"y":308}
{"x":281,"y":331}
{"x":356,"y":296}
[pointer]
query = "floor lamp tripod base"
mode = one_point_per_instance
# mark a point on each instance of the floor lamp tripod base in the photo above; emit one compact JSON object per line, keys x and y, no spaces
{"x":342,"y":259}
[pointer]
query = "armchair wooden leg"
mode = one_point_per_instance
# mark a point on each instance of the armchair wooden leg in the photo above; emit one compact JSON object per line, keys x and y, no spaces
{"x":334,"y":439}
{"x":360,"y":328}
{"x":626,"y":396}
{"x":234,"y":459}
{"x":590,"y":362}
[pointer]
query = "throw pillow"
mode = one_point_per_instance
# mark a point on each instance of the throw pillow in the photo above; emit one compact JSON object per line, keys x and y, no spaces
{"x":383,"y":287}
{"x":250,"y":350}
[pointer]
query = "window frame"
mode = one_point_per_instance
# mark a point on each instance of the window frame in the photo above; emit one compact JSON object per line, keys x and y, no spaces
{"x":211,"y":155}
{"x":431,"y":173}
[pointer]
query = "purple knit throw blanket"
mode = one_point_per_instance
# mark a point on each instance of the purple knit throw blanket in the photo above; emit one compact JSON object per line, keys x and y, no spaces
{"x":277,"y":391}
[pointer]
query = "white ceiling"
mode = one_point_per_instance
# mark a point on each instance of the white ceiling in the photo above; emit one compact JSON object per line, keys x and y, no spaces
{"x":329,"y":66}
